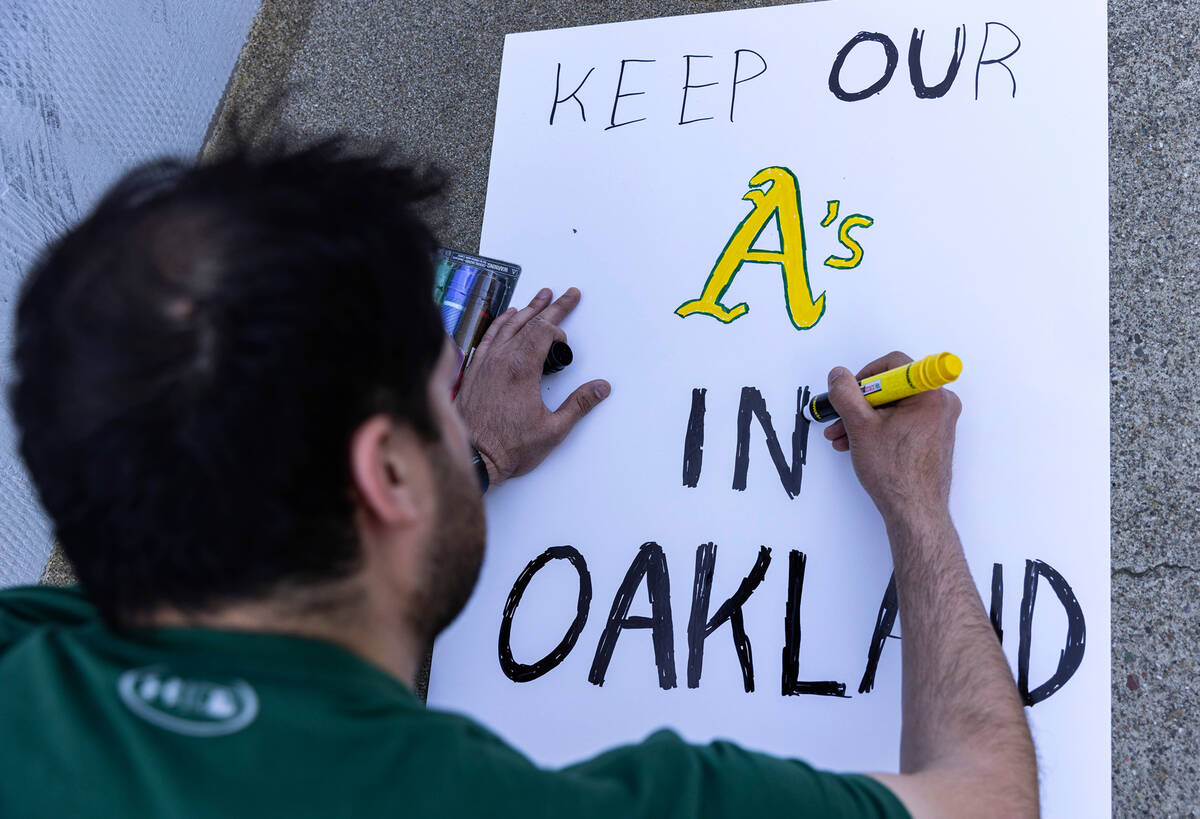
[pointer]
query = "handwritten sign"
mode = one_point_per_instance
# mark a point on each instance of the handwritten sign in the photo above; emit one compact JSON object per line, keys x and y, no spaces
{"x":747,"y":199}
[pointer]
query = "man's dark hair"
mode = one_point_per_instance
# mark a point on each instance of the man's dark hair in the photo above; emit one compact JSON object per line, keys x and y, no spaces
{"x":193,"y":359}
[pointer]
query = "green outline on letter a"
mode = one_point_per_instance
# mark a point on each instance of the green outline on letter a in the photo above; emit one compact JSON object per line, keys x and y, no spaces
{"x":781,"y":200}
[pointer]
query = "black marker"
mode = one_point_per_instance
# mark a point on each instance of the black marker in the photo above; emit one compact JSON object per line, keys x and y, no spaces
{"x":560,"y":356}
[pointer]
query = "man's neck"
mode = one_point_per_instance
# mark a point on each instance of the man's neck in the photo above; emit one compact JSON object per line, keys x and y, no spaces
{"x":344,"y":618}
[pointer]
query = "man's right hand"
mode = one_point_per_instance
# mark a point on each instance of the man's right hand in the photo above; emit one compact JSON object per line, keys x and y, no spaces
{"x":901,"y":453}
{"x":964,"y":742}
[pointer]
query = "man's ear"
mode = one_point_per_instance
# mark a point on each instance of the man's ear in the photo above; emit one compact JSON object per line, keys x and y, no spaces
{"x":383,"y":464}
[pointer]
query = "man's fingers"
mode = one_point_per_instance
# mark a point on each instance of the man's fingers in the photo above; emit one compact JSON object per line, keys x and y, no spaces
{"x":848,"y":400}
{"x":950,"y":402}
{"x":581,"y":402}
{"x":835,"y":430}
{"x":536,"y":337}
{"x":890,"y":361}
{"x":539,"y":316}
{"x":563,"y":306}
{"x":522,"y":316}
{"x":836,"y":433}
{"x":542,"y":330}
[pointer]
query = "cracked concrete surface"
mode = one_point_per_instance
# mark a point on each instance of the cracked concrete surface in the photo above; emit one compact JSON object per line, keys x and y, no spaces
{"x":1156,"y":694}
{"x":1154,"y":105}
{"x":392,"y":69}
{"x":1131,"y":572}
{"x":1154,"y":199}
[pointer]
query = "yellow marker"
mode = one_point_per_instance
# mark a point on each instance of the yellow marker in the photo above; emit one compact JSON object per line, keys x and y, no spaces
{"x":929,"y":373}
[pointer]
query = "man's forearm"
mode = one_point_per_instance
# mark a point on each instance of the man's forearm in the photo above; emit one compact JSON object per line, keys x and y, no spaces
{"x":960,"y":706}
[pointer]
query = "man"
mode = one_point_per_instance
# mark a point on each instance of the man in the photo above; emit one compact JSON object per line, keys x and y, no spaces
{"x":234,"y":398}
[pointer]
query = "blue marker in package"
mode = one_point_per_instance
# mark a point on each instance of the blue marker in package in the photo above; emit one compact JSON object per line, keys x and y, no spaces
{"x":457,"y":292}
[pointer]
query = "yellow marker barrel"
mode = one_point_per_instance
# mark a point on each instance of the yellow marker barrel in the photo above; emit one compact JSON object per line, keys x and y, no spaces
{"x":929,"y":373}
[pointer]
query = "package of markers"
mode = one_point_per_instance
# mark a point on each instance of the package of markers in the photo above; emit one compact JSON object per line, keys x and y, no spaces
{"x":471,"y":290}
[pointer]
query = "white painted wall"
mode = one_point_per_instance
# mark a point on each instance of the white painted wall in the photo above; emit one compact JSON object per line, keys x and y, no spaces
{"x":89,"y":88}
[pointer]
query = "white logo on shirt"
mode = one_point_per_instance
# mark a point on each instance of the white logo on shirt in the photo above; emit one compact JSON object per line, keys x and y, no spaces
{"x":188,"y":705}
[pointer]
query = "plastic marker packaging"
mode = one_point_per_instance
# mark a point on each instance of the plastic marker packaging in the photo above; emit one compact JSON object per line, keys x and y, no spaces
{"x":471,"y":291}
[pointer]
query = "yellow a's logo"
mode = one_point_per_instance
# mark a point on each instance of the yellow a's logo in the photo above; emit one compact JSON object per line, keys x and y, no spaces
{"x":774,"y":192}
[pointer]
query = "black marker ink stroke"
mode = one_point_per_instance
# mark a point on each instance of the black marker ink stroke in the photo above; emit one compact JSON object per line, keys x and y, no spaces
{"x":619,"y":96}
{"x":753,"y":405}
{"x":651,"y":563}
{"x":572,"y":95}
{"x":791,"y":645}
{"x":998,"y":61}
{"x":519,"y":672}
{"x":916,"y":75}
{"x":996,"y":611}
{"x":1071,"y":655}
{"x":885,"y":621}
{"x":687,"y":80}
{"x":693,"y":440}
{"x":835,"y":73}
{"x":699,"y":626}
{"x":737,"y":59}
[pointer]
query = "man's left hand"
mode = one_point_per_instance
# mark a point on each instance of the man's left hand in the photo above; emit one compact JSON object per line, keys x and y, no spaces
{"x":501,"y":398}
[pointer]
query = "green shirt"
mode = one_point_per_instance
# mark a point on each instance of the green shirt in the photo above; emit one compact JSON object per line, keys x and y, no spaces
{"x":196,"y":722}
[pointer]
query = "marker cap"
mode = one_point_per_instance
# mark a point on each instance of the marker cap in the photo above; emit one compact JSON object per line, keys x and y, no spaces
{"x":559,"y":357}
{"x":935,"y":370}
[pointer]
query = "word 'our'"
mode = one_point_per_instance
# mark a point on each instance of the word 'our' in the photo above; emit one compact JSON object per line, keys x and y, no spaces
{"x":650,"y":566}
{"x":916,"y":74}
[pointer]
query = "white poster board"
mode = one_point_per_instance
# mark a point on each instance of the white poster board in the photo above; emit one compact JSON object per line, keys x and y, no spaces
{"x":987,"y":236}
